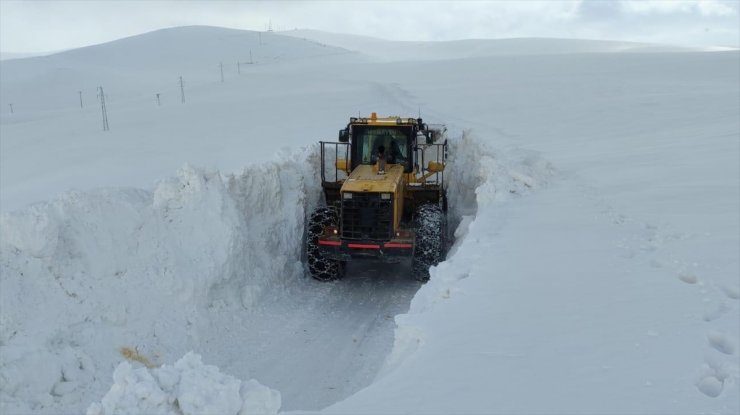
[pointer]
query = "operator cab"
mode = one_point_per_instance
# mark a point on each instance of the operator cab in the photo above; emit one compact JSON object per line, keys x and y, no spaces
{"x":367,"y":139}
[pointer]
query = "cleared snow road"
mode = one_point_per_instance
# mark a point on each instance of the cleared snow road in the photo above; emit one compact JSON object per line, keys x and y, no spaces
{"x":317,"y":343}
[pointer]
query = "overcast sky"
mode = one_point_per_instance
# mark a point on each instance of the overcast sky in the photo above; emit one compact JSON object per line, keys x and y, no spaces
{"x":40,"y":25}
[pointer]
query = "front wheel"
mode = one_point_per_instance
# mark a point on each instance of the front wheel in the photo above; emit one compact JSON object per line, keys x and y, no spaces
{"x":320,"y":268}
{"x":429,"y":225}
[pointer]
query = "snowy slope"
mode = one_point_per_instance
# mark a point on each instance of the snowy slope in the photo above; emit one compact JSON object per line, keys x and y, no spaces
{"x":132,"y":71}
{"x":595,"y":268}
{"x":4,"y":56}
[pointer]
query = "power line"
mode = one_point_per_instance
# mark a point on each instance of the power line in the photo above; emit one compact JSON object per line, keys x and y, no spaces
{"x":182,"y":90}
{"x":104,"y":110}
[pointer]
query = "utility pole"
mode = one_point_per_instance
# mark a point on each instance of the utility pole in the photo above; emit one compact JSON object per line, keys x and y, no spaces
{"x":80,"y":92}
{"x":250,"y":57}
{"x":158,"y":103}
{"x":182,"y":90}
{"x":11,"y":108}
{"x":104,"y":110}
{"x":221,"y":64}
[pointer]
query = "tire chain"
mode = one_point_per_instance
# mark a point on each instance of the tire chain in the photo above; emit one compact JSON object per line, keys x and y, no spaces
{"x":321,"y":268}
{"x":429,"y":227}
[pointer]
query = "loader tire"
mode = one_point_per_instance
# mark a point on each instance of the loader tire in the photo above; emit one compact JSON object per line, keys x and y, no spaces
{"x":429,"y":226}
{"x":321,"y":268}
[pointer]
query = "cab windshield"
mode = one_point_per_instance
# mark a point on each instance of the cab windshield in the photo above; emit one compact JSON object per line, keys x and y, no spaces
{"x":367,"y":141}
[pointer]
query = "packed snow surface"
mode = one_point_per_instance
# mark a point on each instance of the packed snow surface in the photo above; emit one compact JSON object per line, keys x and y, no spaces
{"x":151,"y":267}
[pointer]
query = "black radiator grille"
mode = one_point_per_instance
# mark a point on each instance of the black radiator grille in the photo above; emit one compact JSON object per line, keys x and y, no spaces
{"x":367,"y":216}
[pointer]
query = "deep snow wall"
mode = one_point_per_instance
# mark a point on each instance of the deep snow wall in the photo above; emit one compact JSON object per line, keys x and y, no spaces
{"x":478,"y":175}
{"x":90,"y":273}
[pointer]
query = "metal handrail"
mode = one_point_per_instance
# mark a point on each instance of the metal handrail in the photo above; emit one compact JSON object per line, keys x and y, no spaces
{"x":440,"y":155}
{"x":440,"y":150}
{"x":336,"y":157}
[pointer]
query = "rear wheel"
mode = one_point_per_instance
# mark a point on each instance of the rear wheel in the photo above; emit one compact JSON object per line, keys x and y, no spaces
{"x":429,"y":226}
{"x":320,"y":268}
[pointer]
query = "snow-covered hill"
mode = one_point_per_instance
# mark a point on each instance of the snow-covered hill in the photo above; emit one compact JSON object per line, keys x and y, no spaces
{"x":151,"y":63}
{"x":595,"y":269}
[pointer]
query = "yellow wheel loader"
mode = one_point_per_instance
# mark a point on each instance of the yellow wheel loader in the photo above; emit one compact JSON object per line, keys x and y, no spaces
{"x":385,"y":197}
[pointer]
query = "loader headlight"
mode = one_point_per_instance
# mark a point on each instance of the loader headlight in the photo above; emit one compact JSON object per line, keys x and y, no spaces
{"x":403,"y":234}
{"x":385,"y":196}
{"x":347,"y":195}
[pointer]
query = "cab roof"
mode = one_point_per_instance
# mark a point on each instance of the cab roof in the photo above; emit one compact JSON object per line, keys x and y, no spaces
{"x":383,"y":121}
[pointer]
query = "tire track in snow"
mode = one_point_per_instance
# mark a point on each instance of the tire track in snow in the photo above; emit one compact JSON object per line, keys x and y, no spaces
{"x":317,"y":343}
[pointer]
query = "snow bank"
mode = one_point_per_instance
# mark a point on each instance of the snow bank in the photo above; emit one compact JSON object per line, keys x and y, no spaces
{"x":187,"y":387}
{"x":91,"y":273}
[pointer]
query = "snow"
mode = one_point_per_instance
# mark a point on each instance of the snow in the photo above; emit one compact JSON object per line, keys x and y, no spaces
{"x":187,"y":387}
{"x":595,"y":269}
